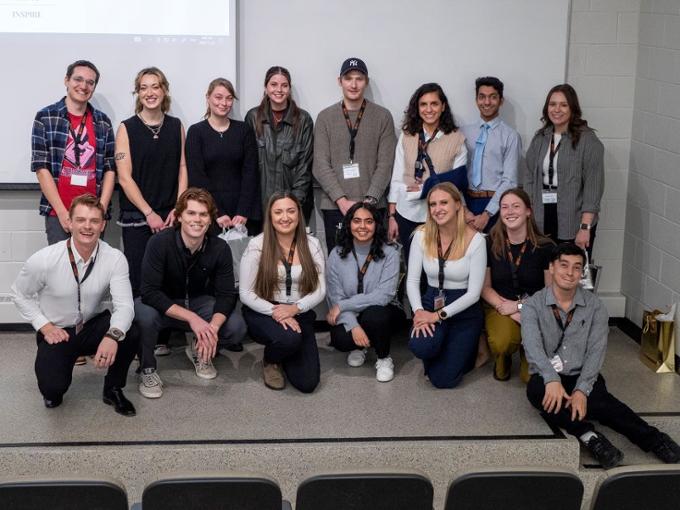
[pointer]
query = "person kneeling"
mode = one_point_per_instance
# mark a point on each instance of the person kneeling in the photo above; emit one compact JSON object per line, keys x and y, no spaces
{"x":564,"y":332}
{"x":60,"y":291}
{"x":447,"y":320}
{"x":187,"y":284}
{"x":281,"y":280}
{"x":362,"y":290}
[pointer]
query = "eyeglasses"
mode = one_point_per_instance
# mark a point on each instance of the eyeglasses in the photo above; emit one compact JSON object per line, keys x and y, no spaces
{"x":80,"y":81}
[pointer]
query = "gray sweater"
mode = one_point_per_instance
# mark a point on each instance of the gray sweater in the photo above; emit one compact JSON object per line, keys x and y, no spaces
{"x":380,"y":282}
{"x":374,"y":151}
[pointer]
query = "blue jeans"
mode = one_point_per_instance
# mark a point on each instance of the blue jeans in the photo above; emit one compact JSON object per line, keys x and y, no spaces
{"x":451,"y":351}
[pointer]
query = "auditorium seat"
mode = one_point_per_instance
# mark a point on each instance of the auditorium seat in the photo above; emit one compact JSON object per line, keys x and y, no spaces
{"x":387,"y":490}
{"x":515,"y":488}
{"x":655,"y":487}
{"x":80,"y":493}
{"x":213,"y":491}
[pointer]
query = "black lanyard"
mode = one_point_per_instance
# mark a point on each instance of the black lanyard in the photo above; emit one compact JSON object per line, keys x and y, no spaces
{"x":514,"y":264}
{"x":74,"y":268}
{"x":563,"y":326}
{"x":551,"y":159}
{"x":353,"y":130}
{"x":442,"y":259}
{"x":77,"y":140}
{"x":287,"y":264}
{"x":361,"y":271}
{"x":423,"y":157}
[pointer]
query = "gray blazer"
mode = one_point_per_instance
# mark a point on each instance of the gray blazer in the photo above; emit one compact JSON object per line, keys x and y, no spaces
{"x":580,"y":182}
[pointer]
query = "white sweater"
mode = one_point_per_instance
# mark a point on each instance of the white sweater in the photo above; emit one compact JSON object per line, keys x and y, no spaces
{"x":465,"y":273}
{"x":248,"y":274}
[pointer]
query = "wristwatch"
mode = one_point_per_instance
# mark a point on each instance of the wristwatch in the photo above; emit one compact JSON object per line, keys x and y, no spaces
{"x":442,"y":314}
{"x":370,"y":200}
{"x":115,"y":334}
{"x":585,"y":226}
{"x":519,"y":306}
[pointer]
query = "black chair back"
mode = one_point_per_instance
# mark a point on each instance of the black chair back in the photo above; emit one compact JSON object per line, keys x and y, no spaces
{"x":370,"y":491}
{"x":62,"y":495}
{"x":515,"y":490}
{"x":656,"y":488}
{"x":212,"y":493}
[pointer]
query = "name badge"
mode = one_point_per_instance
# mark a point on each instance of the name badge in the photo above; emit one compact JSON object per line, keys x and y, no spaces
{"x":550,"y":197}
{"x":78,"y":179}
{"x":439,"y":301}
{"x":350,"y":171}
{"x":557,"y":363}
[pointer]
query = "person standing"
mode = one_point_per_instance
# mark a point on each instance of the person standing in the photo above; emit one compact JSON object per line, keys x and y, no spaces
{"x":72,"y":150}
{"x":285,"y":141}
{"x":354,"y":145}
{"x":494,"y":149}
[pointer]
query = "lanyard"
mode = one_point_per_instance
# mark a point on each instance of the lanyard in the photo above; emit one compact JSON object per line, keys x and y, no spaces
{"x":515,"y":263}
{"x":287,"y":264}
{"x":74,"y":268}
{"x":353,"y":130}
{"x":563,"y":326}
{"x":442,"y":259}
{"x":361,"y":271}
{"x":423,"y":156}
{"x":77,"y":140}
{"x":551,"y":159}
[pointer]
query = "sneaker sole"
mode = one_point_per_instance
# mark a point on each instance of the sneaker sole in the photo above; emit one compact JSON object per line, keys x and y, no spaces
{"x":150,"y":396}
{"x":384,"y":380}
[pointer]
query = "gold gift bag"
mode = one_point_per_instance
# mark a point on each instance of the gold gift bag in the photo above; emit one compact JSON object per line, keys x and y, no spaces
{"x":657,"y":345}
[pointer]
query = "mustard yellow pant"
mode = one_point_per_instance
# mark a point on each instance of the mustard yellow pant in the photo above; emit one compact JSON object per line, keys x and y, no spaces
{"x":505,"y":338}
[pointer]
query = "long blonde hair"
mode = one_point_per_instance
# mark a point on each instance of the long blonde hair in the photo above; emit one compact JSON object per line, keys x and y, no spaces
{"x":430,"y":228}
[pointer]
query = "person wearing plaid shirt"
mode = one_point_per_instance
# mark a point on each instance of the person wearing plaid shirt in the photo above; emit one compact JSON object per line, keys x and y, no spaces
{"x":67,"y":159}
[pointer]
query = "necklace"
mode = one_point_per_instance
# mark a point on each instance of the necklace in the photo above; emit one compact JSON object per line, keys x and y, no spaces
{"x":154,"y":129}
{"x":220,"y":131}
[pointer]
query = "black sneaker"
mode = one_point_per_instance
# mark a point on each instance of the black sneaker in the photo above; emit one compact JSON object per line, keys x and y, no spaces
{"x":605,"y":453}
{"x":667,"y":449}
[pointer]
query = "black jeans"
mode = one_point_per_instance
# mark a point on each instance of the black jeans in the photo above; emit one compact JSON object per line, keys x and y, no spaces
{"x":602,"y":406}
{"x":379,"y":322}
{"x":297,"y":352}
{"x":54,"y":362}
{"x":134,"y":245}
{"x":550,"y":228}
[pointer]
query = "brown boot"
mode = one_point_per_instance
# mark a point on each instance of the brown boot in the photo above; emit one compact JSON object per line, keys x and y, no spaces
{"x":273,"y":375}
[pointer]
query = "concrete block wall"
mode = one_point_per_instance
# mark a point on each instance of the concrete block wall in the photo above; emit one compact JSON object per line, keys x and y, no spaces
{"x":603,"y":46}
{"x":651,"y":257}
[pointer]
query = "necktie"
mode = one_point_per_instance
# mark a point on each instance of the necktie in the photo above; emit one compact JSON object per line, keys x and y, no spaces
{"x":479,"y":154}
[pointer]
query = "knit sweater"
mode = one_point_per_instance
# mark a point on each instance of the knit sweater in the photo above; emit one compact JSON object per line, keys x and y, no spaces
{"x":374,"y":152}
{"x":380,"y":282}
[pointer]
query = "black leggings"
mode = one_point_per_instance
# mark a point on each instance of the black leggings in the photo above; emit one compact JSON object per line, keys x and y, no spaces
{"x":379,"y":323}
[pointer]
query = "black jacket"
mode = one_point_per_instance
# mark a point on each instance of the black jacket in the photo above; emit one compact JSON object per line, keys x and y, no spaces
{"x":170,"y":272}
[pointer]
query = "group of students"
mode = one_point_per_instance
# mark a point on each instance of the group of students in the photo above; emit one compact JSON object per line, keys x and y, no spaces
{"x":437,"y":188}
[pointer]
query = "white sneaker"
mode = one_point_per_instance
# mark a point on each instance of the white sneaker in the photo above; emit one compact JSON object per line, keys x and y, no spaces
{"x":162,"y":350}
{"x":150,"y":385}
{"x":203,"y":370}
{"x":384,"y":369}
{"x":356,"y":358}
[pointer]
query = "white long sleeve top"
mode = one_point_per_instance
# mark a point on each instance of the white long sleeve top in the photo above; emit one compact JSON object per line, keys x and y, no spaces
{"x":250,"y":262}
{"x":465,"y":273}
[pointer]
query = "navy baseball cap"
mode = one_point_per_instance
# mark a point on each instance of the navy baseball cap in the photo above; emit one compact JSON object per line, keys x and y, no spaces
{"x":353,"y":64}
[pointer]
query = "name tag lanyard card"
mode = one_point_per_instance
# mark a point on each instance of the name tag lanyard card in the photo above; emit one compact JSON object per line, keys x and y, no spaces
{"x":76,"y":180}
{"x":351,"y":170}
{"x":440,"y":299}
{"x":79,"y":282}
{"x":361,"y":271}
{"x":556,"y":361}
{"x":514,"y":267}
{"x":288,"y":265}
{"x":550,"y":196}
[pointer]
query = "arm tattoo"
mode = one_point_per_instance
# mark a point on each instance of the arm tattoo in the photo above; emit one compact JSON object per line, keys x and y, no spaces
{"x":120,"y":155}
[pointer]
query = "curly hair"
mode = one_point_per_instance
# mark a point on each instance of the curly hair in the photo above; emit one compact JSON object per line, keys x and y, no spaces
{"x":413,"y":124}
{"x":346,"y":240}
